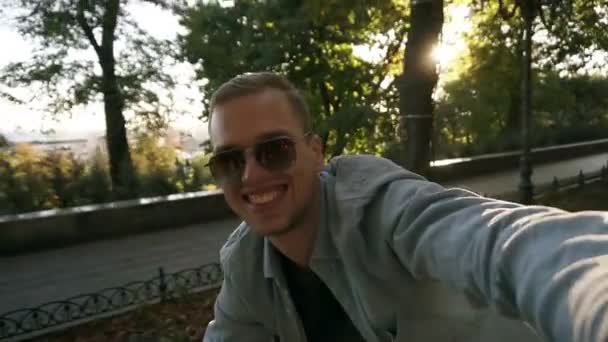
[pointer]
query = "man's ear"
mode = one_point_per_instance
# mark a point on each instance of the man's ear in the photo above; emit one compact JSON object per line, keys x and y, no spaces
{"x":317,"y":147}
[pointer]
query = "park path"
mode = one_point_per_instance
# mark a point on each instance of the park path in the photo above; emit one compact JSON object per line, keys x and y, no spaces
{"x":507,"y":181}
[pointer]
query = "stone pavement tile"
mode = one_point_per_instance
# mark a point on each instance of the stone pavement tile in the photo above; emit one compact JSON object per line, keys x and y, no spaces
{"x":37,"y":278}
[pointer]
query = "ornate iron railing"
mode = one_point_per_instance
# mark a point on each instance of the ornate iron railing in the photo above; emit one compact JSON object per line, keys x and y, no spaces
{"x":557,"y":185}
{"x":85,"y":307}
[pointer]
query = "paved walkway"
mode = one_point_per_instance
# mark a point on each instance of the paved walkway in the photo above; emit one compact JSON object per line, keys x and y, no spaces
{"x":37,"y":278}
{"x":507,"y":181}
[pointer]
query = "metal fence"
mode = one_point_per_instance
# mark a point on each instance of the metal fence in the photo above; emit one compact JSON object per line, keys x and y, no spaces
{"x":558,"y":184}
{"x":576,"y":181}
{"x":52,"y":316}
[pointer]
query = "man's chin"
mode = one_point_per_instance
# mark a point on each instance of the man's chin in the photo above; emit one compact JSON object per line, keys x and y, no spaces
{"x":270,"y":230}
{"x":279,"y":231}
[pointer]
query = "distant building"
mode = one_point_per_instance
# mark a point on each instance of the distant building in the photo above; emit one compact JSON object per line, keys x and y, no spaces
{"x":80,"y":148}
{"x":185,"y":144}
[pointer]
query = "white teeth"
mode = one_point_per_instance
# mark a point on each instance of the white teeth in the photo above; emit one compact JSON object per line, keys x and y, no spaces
{"x":263,"y":198}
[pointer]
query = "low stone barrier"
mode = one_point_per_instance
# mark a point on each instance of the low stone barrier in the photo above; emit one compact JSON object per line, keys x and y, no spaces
{"x":56,"y":228}
{"x":444,"y":170}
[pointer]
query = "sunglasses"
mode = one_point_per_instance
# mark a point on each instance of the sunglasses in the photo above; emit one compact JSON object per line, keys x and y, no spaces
{"x":275,"y":154}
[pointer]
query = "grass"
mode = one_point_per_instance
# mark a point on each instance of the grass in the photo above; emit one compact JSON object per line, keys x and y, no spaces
{"x":592,"y":196}
{"x":185,"y":319}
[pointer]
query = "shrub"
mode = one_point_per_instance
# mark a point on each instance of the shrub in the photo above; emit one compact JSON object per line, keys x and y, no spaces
{"x":31,"y":179}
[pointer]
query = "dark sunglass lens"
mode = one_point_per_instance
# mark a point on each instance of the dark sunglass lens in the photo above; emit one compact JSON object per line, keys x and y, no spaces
{"x":276,"y":154}
{"x":227,"y":165}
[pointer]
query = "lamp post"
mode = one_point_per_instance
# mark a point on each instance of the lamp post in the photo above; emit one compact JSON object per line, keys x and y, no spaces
{"x":526,"y":188}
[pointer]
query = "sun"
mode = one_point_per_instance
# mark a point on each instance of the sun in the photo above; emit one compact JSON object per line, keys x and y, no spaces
{"x":443,"y":54}
{"x":453,"y":43}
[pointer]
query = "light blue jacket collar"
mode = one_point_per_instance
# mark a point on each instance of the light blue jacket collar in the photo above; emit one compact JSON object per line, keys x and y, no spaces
{"x":324,"y":248}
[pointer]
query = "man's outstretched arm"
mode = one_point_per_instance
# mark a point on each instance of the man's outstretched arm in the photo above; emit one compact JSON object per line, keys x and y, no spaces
{"x":544,"y":265}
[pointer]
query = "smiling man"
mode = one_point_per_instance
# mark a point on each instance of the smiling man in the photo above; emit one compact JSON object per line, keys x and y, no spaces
{"x":337,"y":252}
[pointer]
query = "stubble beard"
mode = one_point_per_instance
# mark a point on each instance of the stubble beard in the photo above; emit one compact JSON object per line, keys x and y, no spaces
{"x":300,"y":218}
{"x":297,"y":221}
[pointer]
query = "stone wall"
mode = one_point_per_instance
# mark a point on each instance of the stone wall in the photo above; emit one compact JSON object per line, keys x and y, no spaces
{"x":56,"y":228}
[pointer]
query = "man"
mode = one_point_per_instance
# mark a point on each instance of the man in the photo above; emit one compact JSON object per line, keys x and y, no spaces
{"x":334,"y":253}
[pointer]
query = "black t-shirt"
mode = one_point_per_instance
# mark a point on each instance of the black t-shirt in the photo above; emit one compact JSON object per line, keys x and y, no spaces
{"x":322,"y":316}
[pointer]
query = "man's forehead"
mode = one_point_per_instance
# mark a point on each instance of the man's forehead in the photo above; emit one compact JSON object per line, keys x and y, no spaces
{"x":252,"y":117}
{"x":223,"y":137}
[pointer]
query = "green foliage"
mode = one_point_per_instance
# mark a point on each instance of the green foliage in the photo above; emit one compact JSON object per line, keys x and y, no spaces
{"x":571,"y":108}
{"x":27,"y":180}
{"x":95,"y":186}
{"x":353,"y":99}
{"x":33,"y":180}
{"x":155,"y":164}
{"x":565,"y":111}
{"x":199,"y":174}
{"x":479,"y":110}
{"x":55,"y":73}
{"x":124,"y":78}
{"x":312,"y":44}
{"x":575,"y":28}
{"x":162,"y":172}
{"x":4,"y":142}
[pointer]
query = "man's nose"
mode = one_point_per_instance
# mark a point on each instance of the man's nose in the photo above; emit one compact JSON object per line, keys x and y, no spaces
{"x":253,"y":170}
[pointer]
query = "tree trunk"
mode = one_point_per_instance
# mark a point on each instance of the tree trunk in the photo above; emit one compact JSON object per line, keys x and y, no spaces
{"x":418,"y":83}
{"x":121,"y":165}
{"x":327,"y":106}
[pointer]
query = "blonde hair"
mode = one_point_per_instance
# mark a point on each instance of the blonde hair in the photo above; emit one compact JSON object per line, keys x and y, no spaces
{"x":252,"y":83}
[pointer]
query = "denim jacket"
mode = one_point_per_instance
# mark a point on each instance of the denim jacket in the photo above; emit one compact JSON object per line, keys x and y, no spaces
{"x":390,"y":241}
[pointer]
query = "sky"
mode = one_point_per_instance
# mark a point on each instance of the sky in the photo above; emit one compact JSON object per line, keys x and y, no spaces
{"x":26,"y":122}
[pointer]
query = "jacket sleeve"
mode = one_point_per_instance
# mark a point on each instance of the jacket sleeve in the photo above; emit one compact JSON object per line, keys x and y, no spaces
{"x":233,"y":321}
{"x":543,"y":265}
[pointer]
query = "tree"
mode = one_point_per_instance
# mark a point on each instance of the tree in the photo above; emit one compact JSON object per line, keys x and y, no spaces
{"x":479,"y":107}
{"x":66,"y":30}
{"x":418,"y":82}
{"x":311,"y":42}
{"x":556,"y":16}
{"x":577,"y":29}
